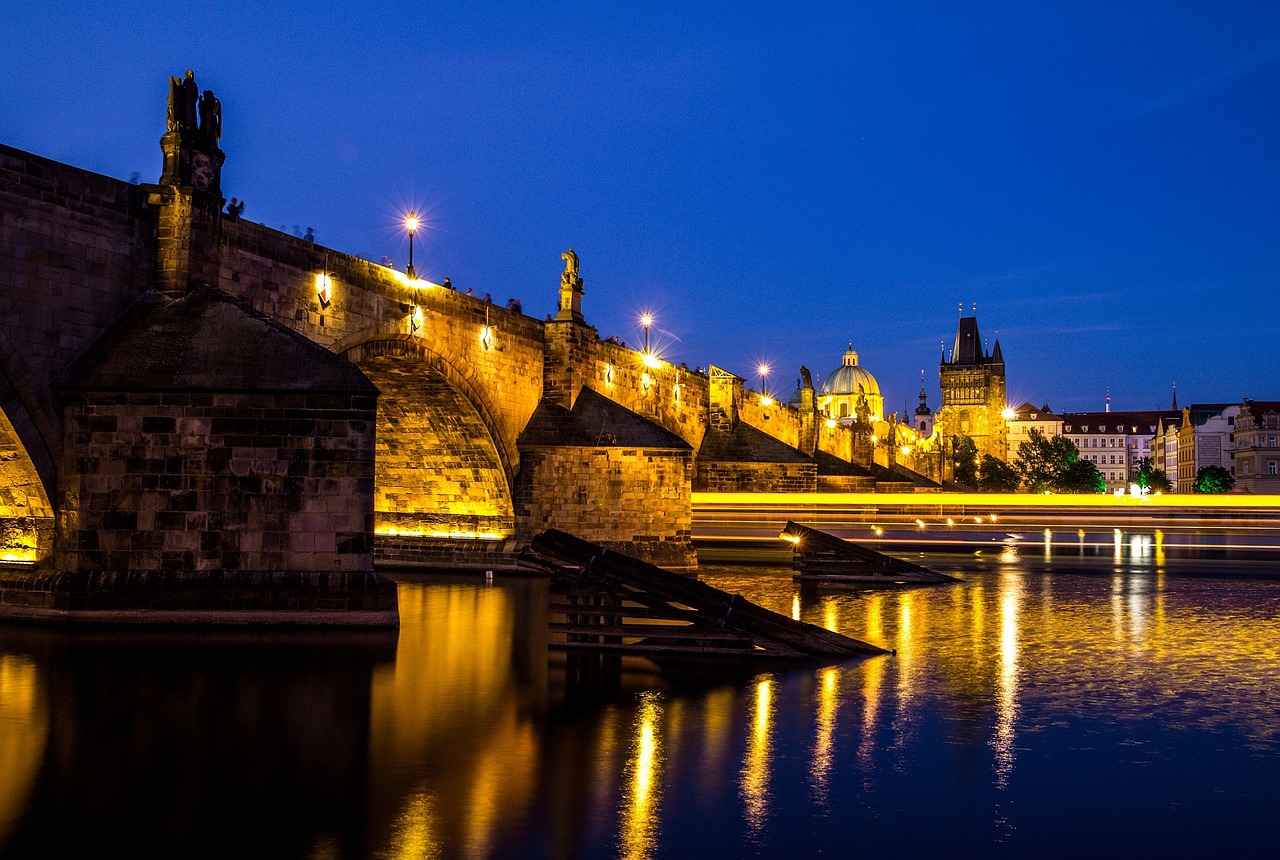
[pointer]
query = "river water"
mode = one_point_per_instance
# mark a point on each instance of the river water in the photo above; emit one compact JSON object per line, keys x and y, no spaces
{"x":1100,"y":708}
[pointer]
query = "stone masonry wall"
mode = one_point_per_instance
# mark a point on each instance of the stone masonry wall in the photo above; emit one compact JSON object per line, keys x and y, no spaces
{"x":757,"y":477}
{"x":278,"y":274}
{"x":634,"y":500}
{"x":199,"y":481}
{"x":75,"y":250}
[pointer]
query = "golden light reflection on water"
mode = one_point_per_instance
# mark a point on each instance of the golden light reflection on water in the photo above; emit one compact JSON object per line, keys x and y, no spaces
{"x":820,"y":764}
{"x":452,"y":678}
{"x":1005,"y":737}
{"x":754,"y":778}
{"x":24,"y":730}
{"x":641,"y":796}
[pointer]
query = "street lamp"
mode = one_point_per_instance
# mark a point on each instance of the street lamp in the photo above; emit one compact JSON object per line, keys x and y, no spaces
{"x":646,"y":320}
{"x":411,"y":224}
{"x":763,"y":370}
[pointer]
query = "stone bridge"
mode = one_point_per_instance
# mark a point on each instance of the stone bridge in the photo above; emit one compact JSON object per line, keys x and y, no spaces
{"x":187,"y":393}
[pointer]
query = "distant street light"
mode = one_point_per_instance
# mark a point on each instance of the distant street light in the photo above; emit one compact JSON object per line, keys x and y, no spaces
{"x":411,"y":224}
{"x":765,"y":398}
{"x":646,"y":320}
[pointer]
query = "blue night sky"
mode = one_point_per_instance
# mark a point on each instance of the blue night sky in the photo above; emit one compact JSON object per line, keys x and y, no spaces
{"x":1104,"y":182}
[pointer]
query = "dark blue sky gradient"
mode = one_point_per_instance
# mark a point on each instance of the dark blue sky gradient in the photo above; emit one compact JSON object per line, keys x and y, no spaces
{"x":1103,"y":179}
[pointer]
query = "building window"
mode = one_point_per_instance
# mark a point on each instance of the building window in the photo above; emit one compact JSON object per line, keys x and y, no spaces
{"x":844,"y":409}
{"x":1271,"y":467}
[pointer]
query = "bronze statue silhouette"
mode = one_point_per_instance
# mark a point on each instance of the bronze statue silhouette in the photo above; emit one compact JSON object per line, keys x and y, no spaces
{"x":210,"y":117}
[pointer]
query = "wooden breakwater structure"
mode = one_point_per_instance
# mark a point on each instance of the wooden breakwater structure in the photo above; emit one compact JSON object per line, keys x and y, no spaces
{"x":821,"y":557}
{"x":603,"y":601}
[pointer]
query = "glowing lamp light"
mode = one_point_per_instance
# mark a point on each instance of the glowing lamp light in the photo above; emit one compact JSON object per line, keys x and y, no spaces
{"x":323,"y":292}
{"x":486,"y":337}
{"x":649,"y":359}
{"x":646,"y":382}
{"x":608,"y":374}
{"x":831,"y":423}
{"x":646,"y":320}
{"x":878,"y":530}
{"x":411,"y":224}
{"x":1007,"y":414}
{"x":415,"y":321}
{"x":920,"y":524}
{"x":763,"y":370}
{"x":766,"y":400}
{"x":906,"y":450}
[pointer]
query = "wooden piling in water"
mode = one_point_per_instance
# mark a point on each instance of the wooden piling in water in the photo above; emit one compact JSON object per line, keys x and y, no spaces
{"x":613,"y":602}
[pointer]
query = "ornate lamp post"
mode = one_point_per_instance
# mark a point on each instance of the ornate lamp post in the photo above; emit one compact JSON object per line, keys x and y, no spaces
{"x":646,"y":320}
{"x":411,"y":224}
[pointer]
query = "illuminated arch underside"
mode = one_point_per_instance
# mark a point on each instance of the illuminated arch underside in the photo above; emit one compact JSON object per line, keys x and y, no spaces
{"x":25,"y":511}
{"x":437,"y":471}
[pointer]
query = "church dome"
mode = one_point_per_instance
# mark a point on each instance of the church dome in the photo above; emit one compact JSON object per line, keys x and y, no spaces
{"x":846,"y":378}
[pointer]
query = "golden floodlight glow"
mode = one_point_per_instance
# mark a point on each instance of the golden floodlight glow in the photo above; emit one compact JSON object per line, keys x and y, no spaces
{"x":650,"y":360}
{"x":766,"y":400}
{"x":906,"y":450}
{"x":831,"y":423}
{"x":415,"y":320}
{"x":486,"y":337}
{"x":608,"y":374}
{"x":323,"y":292}
{"x":1007,"y":414}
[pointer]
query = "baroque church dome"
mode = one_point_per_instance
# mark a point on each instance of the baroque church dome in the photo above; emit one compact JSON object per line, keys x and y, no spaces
{"x":848,"y":383}
{"x":848,"y":376}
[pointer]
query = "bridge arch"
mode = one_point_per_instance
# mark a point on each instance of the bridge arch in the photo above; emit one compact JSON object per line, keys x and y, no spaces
{"x":443,"y":465}
{"x":27,"y":478}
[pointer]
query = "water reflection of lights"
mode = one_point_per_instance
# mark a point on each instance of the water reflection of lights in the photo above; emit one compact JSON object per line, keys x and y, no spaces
{"x":1048,"y":544}
{"x":820,"y":766}
{"x":417,"y":830}
{"x":641,"y":797}
{"x":754,"y":784}
{"x":24,"y":729}
{"x":1007,"y":702}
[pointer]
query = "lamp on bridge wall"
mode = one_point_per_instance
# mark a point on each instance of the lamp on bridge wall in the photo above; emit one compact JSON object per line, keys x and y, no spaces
{"x":415,"y":320}
{"x":608,"y":374}
{"x":486,"y":331}
{"x":763,"y":370}
{"x":646,"y":383}
{"x":323,"y":289}
{"x":411,"y":224}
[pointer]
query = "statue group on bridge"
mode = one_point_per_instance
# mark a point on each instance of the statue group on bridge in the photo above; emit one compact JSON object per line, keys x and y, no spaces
{"x":186,"y":102}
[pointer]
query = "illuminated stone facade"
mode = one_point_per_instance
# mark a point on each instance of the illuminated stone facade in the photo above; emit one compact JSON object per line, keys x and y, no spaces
{"x":1257,"y":447}
{"x":973,"y":393}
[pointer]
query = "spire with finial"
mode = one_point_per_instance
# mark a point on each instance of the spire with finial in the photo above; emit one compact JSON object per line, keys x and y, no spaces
{"x":1175,"y":397}
{"x":1108,"y":398}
